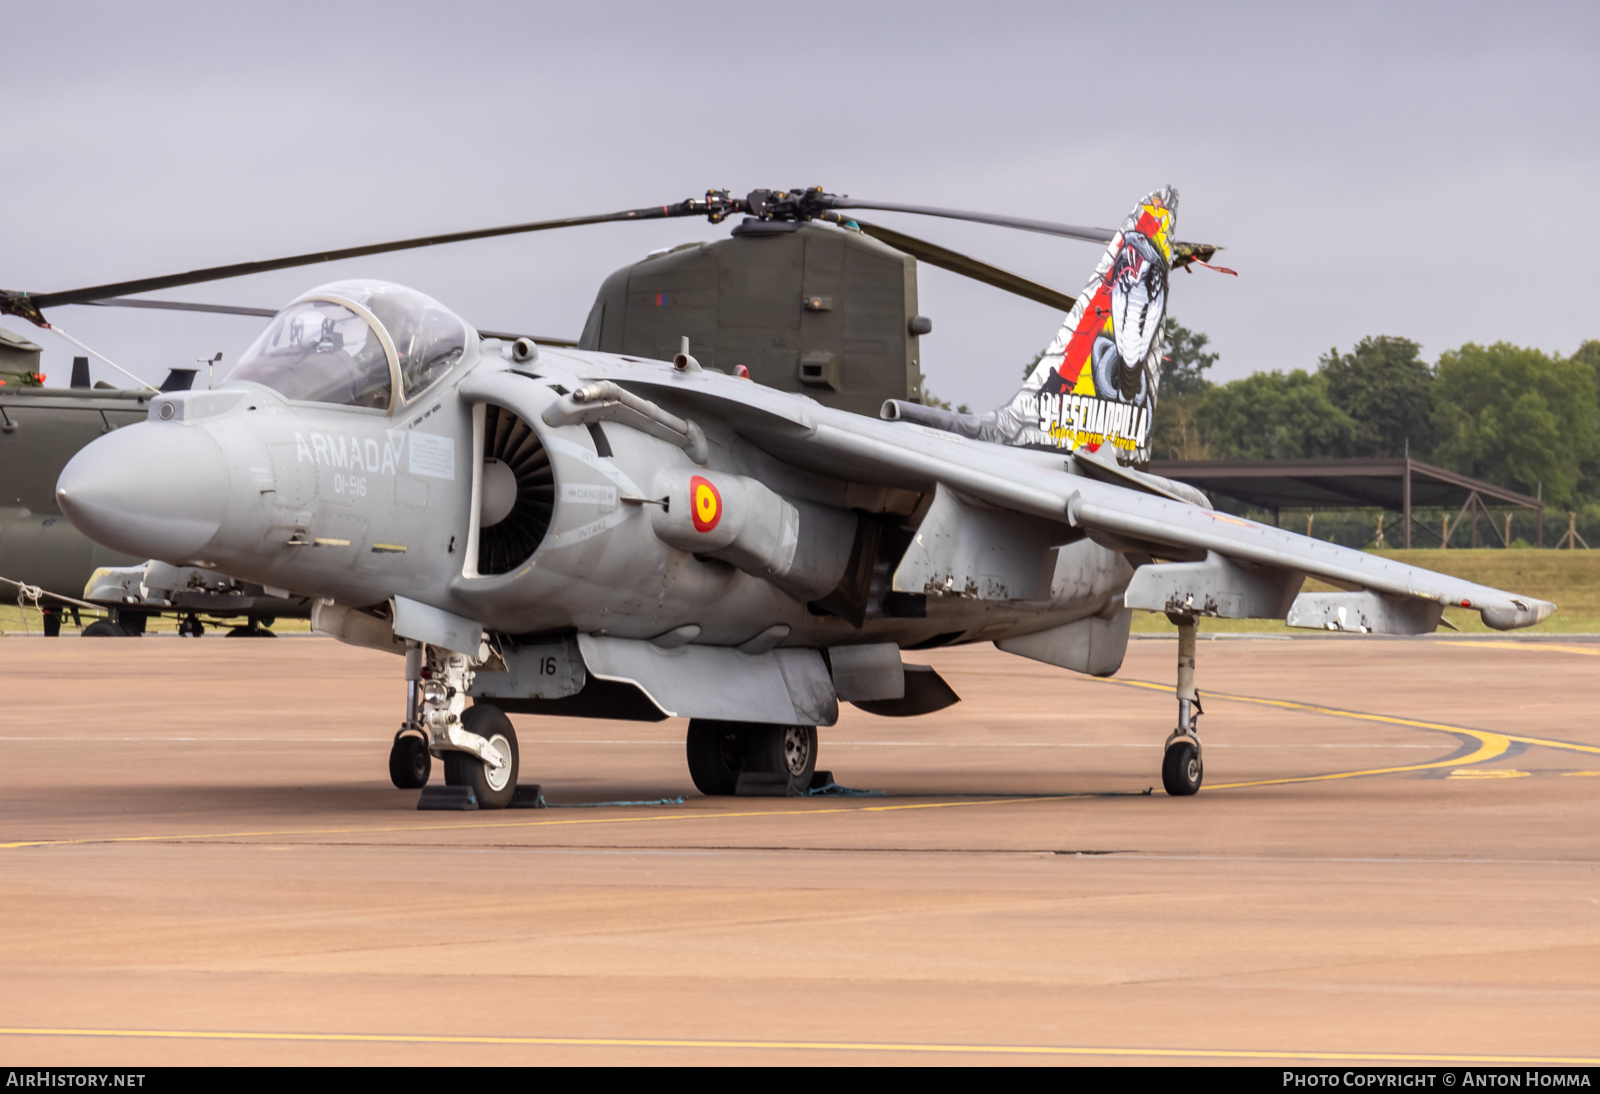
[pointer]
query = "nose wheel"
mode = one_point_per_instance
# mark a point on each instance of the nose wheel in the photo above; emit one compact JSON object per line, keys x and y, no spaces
{"x":410,"y":763}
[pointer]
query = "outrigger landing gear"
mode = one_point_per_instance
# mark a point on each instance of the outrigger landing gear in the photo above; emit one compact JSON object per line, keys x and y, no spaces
{"x":477,"y":744}
{"x":1182,"y":767}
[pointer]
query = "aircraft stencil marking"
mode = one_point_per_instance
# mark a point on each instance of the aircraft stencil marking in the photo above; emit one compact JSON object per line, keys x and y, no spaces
{"x":584,"y":494}
{"x":355,"y":453}
{"x":433,"y":456}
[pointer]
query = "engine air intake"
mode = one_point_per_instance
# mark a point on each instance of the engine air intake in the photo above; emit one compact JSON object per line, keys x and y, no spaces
{"x":508,"y":542}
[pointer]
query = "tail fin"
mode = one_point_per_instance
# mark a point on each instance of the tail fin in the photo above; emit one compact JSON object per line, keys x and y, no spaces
{"x":1095,"y":386}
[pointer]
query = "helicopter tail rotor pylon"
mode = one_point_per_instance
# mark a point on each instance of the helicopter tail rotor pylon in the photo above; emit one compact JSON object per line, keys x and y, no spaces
{"x":1094,"y":389}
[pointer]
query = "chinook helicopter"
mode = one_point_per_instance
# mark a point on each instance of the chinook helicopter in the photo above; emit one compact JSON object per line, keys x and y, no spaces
{"x":545,"y":530}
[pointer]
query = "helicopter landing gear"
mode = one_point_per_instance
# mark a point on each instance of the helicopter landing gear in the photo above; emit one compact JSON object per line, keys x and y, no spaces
{"x":1182,"y":768}
{"x":719,"y":752}
{"x":191,"y":627}
{"x":255,"y":626}
{"x":494,"y":785}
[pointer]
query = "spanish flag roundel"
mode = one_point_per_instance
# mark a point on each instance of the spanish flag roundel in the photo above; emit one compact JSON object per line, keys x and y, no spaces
{"x":705,"y":504}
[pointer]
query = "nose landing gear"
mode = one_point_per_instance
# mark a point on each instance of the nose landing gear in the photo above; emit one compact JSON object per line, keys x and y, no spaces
{"x":1182,"y":768}
{"x":477,"y":744}
{"x":410,"y":763}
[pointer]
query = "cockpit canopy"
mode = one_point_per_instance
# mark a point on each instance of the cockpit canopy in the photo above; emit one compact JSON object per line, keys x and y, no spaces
{"x":353,"y":342}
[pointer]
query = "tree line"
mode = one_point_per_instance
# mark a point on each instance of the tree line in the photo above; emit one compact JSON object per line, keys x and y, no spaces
{"x":1513,"y":416}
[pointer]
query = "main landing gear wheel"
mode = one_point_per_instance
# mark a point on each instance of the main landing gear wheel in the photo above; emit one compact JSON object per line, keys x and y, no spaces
{"x":719,"y":752}
{"x":104,"y":628}
{"x":409,"y":761}
{"x":1181,"y":770}
{"x":492,"y":786}
{"x":779,"y":750}
{"x":716,"y":755}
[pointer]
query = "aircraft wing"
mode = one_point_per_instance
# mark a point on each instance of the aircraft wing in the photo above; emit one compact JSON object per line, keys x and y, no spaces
{"x":1227,"y":566}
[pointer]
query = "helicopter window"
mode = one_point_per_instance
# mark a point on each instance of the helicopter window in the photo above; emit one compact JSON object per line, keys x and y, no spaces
{"x":319,"y":352}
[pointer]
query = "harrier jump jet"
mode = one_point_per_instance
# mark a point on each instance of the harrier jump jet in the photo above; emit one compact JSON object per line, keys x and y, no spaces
{"x":544,"y":530}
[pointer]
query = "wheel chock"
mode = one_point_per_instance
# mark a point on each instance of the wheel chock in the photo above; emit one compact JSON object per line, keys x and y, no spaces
{"x":447,"y":797}
{"x":762,"y":784}
{"x":774,"y":784}
{"x":527,"y":797}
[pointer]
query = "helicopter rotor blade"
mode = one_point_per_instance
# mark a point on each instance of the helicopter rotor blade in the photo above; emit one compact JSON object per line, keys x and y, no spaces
{"x":543,"y":340}
{"x":29,"y":305}
{"x":716,"y":206}
{"x":1070,"y":231}
{"x":179,"y":305}
{"x":268,"y":313}
{"x":1183,"y":253}
{"x":955,"y":262}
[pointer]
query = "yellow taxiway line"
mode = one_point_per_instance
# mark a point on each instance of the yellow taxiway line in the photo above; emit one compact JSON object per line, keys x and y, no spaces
{"x":811,"y":1046}
{"x":1490,"y":747}
{"x":1490,"y":744}
{"x":1470,"y":643}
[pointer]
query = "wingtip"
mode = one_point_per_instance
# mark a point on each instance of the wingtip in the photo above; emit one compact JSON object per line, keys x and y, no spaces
{"x":1518,"y":612}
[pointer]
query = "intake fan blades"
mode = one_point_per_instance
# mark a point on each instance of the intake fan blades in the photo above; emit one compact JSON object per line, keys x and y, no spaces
{"x":508,"y":543}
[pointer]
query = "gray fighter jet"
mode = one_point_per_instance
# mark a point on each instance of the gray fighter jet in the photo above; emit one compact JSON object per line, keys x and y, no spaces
{"x":560,"y":531}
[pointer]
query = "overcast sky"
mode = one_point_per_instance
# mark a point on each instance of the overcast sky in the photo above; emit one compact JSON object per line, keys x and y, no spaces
{"x":1415,"y":170}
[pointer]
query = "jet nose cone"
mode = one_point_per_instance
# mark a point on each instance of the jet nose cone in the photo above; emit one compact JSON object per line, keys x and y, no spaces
{"x":155,"y":490}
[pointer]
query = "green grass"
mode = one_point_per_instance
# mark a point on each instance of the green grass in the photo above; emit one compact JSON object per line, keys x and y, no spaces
{"x":15,"y":621}
{"x":1570,"y":579}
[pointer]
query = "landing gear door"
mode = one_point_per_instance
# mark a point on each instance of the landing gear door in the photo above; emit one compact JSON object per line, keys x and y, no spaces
{"x":549,"y":669}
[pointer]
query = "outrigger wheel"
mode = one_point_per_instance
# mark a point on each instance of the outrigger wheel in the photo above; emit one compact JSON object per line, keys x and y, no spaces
{"x":494,"y":787}
{"x":719,"y":752}
{"x":1181,"y":767}
{"x":409,"y":761}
